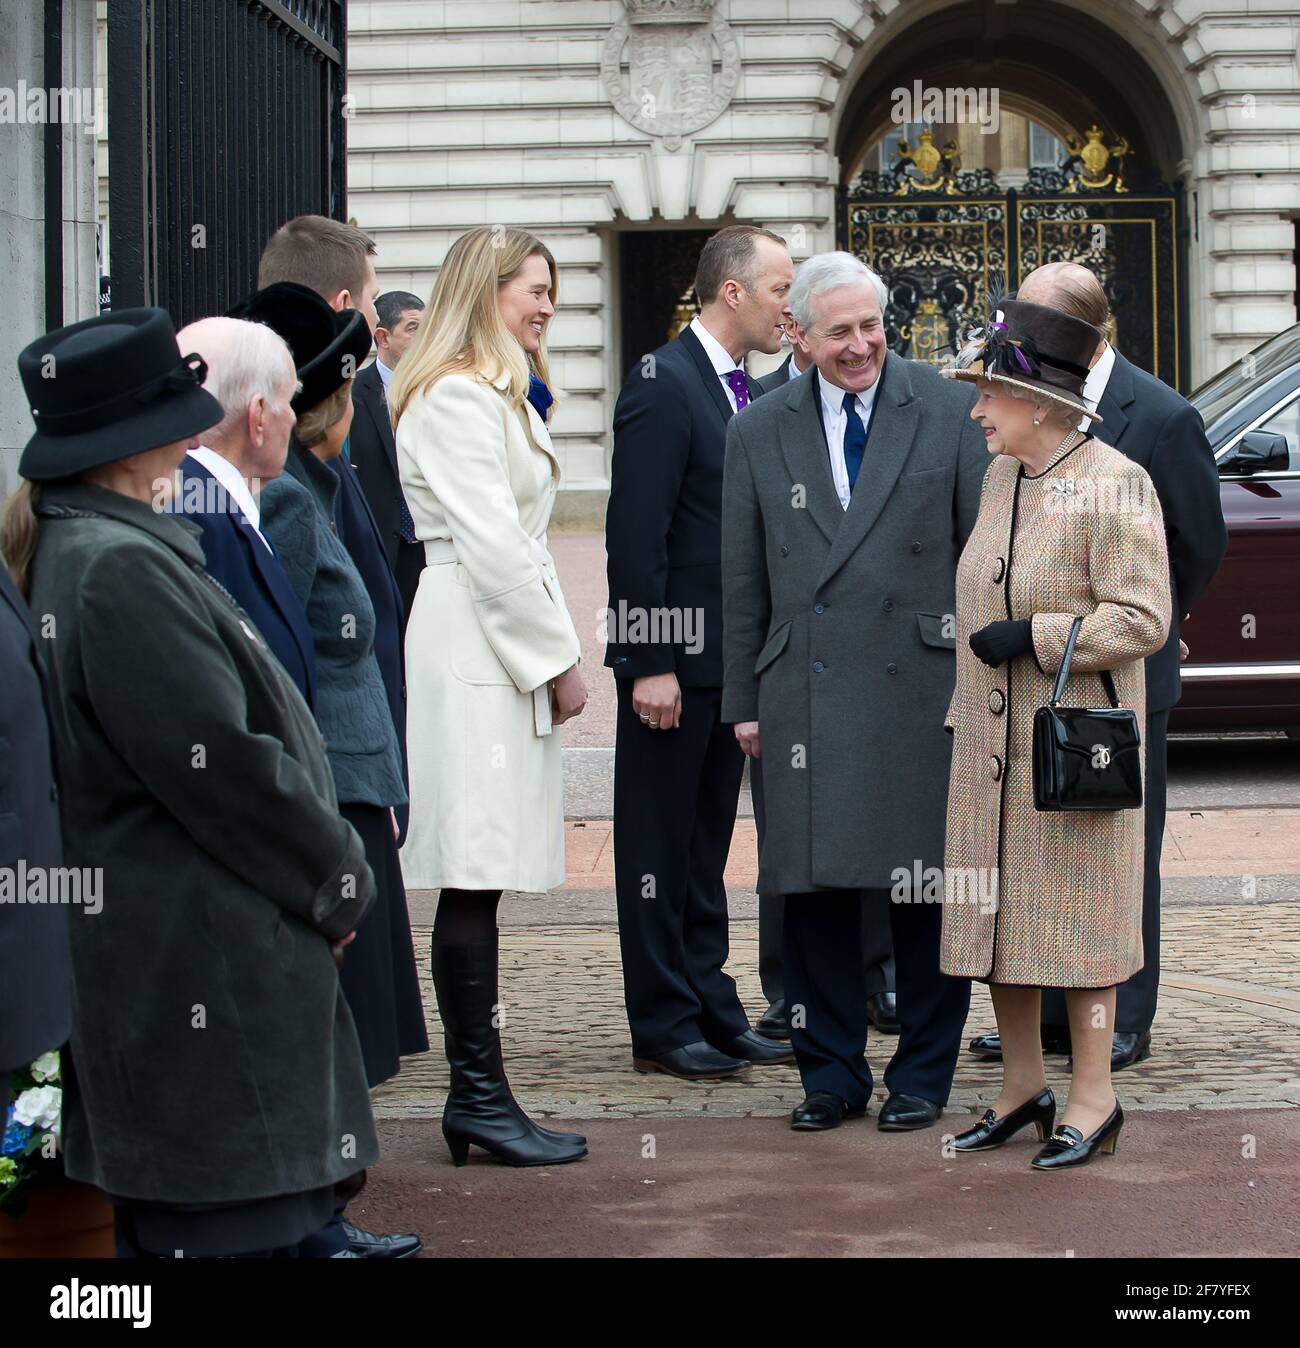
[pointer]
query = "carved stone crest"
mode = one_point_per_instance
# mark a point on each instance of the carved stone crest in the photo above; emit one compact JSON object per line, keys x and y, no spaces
{"x":671,"y":67}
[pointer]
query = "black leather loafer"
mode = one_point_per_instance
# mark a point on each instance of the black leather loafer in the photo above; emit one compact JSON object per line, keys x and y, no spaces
{"x":991,"y":1131}
{"x":1128,"y":1047}
{"x":822,"y":1110}
{"x":692,"y":1062}
{"x":882,"y":1012}
{"x":367,"y":1245}
{"x":775,"y":1024}
{"x":1067,"y":1146}
{"x":753,"y":1047}
{"x":989,"y":1046}
{"x":906,"y":1113}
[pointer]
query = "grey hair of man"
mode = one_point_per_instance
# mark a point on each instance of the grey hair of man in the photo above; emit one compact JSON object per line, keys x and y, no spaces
{"x":244,"y":360}
{"x":824,"y":272}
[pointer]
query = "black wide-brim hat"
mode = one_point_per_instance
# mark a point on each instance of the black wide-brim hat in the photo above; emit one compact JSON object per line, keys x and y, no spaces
{"x":109,"y":387}
{"x":328,"y":346}
{"x":1034,"y":347}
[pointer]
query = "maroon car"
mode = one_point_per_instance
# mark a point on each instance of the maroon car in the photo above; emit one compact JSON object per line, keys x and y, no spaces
{"x":1243,"y":671}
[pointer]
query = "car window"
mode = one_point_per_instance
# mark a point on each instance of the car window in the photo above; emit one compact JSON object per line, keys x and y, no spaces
{"x":1267,"y":361}
{"x":1286,"y":421}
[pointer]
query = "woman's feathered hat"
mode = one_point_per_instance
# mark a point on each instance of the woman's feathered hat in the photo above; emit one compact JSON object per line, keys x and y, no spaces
{"x":1032,"y":346}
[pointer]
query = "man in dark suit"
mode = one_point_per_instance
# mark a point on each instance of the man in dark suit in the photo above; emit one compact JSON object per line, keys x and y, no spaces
{"x":878,"y":951}
{"x":677,"y":767}
{"x":373,"y":450}
{"x":251,"y":374}
{"x":35,"y":991}
{"x":1158,"y":428}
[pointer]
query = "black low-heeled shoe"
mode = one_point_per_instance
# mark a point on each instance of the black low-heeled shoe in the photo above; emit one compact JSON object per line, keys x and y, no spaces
{"x":992,"y":1131}
{"x":1067,"y":1146}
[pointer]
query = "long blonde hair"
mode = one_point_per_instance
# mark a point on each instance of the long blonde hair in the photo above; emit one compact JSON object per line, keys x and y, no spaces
{"x":19,"y":534}
{"x":462,"y":331}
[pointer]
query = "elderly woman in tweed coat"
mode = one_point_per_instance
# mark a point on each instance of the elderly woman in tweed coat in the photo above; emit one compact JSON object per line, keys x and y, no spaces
{"x":1067,"y":527}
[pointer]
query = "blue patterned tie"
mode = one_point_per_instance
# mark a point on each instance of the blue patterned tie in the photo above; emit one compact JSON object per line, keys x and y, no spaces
{"x":855,"y":438}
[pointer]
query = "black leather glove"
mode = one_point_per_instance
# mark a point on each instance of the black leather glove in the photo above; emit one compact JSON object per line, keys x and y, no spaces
{"x":998,"y":642}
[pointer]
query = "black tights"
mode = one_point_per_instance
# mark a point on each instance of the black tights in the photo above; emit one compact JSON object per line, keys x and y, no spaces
{"x":466,"y":916}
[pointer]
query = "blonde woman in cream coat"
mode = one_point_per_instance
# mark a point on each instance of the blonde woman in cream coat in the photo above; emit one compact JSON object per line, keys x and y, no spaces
{"x":491,"y":652}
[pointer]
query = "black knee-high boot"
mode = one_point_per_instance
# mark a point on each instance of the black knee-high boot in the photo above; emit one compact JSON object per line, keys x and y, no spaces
{"x":480,"y":1108}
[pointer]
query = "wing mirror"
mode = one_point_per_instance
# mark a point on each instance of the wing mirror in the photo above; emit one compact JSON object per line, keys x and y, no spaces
{"x":1261,"y":452}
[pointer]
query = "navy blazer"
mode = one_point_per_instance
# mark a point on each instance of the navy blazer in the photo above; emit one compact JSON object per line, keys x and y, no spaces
{"x":1158,"y":428}
{"x":239,"y":559}
{"x":35,"y":986}
{"x":663,"y":526}
{"x":372,"y":448}
{"x":361,"y":536}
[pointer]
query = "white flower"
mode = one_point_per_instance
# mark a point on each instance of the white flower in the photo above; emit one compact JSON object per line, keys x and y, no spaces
{"x":39,"y":1107}
{"x":46,"y":1067}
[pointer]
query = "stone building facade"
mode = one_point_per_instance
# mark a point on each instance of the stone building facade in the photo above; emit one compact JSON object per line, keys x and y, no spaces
{"x":589,"y":121}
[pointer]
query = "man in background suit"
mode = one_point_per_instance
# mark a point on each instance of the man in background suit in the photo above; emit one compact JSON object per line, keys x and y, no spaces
{"x":373,"y":450}
{"x":878,"y":951}
{"x":677,"y":767}
{"x":35,"y":977}
{"x":1158,"y":428}
{"x":251,"y":374}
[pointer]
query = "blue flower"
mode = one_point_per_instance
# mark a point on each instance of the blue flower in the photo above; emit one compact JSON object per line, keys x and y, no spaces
{"x":15,"y":1137}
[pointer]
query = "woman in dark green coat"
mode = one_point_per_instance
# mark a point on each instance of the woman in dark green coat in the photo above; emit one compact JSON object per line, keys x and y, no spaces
{"x":216,"y":1089}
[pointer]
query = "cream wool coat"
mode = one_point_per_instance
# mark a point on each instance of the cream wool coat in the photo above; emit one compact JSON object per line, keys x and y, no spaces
{"x":487,"y":633}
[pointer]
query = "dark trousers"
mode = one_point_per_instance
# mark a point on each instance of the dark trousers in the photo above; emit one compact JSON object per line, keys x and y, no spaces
{"x":406,"y":572}
{"x":1135,"y":1000}
{"x":827,"y":999}
{"x":877,"y":943}
{"x":675,"y":795}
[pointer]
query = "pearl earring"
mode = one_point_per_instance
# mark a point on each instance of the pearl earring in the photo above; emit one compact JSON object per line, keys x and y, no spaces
{"x":1037,"y":422}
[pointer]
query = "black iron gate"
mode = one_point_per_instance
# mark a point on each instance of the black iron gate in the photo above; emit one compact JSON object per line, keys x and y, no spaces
{"x":225,"y":119}
{"x":944,"y":238}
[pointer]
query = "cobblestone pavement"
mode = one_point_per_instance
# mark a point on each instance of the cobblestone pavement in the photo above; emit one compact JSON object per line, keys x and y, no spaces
{"x":1226,"y":1033}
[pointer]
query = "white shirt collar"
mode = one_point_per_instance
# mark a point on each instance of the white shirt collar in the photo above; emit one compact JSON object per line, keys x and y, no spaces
{"x":1094,"y":387}
{"x":233,"y":481}
{"x":719,"y":356}
{"x":385,"y":374}
{"x":833,"y":396}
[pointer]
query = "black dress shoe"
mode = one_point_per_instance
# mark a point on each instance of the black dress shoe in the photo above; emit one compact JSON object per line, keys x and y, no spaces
{"x":1067,"y":1146}
{"x":882,"y":1012}
{"x":692,"y":1062}
{"x":1129,"y":1047}
{"x":753,"y":1047}
{"x":367,"y":1245}
{"x":991,"y":1131}
{"x":989,"y":1046}
{"x":775,"y":1024}
{"x":823,"y":1110}
{"x":906,"y":1113}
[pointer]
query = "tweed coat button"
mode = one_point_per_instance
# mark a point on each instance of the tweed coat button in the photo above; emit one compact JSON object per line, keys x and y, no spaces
{"x":819,"y":608}
{"x":916,"y":547}
{"x":995,"y":768}
{"x":785,"y":552}
{"x":818,"y":666}
{"x":888,"y":606}
{"x":891,"y":668}
{"x":997,"y":702}
{"x":1001,"y":570}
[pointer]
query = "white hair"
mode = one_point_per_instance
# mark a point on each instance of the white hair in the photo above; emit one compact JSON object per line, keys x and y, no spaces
{"x":824,"y":272}
{"x":244,"y":360}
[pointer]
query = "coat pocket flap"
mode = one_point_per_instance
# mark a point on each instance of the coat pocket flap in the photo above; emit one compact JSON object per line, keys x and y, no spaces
{"x":773,"y":646}
{"x":931,"y":627}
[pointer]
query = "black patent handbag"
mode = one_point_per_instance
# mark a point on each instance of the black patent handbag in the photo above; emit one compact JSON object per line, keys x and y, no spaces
{"x":1086,"y":758}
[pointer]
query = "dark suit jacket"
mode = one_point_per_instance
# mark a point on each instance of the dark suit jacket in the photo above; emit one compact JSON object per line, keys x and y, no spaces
{"x":1158,"y":428}
{"x":663,"y":528}
{"x":253,"y":575}
{"x":775,"y":379}
{"x":35,"y":1006}
{"x":361,"y":536}
{"x":373,"y":452}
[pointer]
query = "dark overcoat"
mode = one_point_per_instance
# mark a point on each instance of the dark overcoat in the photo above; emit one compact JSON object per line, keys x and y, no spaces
{"x":838,"y":624}
{"x":214,"y":1057}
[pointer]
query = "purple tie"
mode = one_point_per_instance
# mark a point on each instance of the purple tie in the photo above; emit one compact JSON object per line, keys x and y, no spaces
{"x":738,"y":384}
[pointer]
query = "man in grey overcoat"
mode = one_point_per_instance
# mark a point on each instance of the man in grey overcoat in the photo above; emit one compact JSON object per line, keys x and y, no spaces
{"x":847,"y":497}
